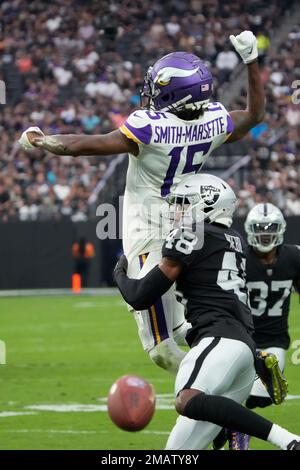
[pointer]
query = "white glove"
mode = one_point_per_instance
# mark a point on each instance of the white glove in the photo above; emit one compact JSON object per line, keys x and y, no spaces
{"x":245,"y":45}
{"x":24,"y":141}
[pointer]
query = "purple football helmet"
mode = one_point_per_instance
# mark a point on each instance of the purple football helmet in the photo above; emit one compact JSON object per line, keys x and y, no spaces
{"x":177,"y":81}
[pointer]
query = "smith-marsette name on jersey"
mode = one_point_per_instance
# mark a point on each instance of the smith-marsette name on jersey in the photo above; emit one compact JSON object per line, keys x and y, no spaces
{"x":235,"y":242}
{"x":186,"y":134}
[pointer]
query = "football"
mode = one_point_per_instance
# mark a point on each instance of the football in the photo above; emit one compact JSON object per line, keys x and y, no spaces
{"x":131,"y":403}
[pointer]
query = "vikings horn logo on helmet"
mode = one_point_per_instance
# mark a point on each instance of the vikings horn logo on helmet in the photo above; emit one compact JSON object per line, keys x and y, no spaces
{"x":177,"y":81}
{"x":209,"y":194}
{"x":165,"y":75}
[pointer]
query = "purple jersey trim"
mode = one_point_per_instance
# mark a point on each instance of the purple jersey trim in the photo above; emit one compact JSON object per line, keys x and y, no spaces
{"x":214,"y":108}
{"x":143,"y":134}
{"x":230,"y":125}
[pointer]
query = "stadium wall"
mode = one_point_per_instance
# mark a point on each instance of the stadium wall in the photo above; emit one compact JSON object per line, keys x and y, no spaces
{"x":38,"y":254}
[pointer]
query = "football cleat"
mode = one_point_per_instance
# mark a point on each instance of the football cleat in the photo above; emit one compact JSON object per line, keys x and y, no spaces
{"x":294,"y":445}
{"x":267,"y":368}
{"x":238,"y":440}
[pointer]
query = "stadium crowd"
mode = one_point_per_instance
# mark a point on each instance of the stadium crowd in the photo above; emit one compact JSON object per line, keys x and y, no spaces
{"x":274,"y":168}
{"x":75,"y":66}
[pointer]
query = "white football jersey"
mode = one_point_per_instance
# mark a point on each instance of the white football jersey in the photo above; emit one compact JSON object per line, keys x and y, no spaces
{"x":169,"y":149}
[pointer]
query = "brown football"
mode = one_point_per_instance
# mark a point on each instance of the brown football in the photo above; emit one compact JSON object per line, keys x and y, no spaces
{"x":131,"y":403}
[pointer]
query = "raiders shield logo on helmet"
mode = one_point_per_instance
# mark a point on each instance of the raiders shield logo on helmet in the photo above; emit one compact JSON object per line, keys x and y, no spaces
{"x":209,"y":194}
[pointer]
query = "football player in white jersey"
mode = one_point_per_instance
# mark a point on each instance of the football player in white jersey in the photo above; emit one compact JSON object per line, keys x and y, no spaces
{"x":171,"y":137}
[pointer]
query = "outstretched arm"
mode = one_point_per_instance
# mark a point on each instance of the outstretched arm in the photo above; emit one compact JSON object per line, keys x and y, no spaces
{"x":246,"y":45}
{"x":144,"y":292}
{"x":79,"y":145}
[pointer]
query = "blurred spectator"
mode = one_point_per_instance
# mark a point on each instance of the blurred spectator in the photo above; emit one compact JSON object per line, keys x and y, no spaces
{"x":90,"y":121}
{"x":72,"y":66}
{"x":292,"y":204}
{"x":263,"y":43}
{"x":274,"y":170}
{"x":226,"y":61}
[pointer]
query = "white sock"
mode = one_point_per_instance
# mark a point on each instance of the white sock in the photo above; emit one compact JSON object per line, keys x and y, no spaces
{"x":167,"y":355}
{"x":280,"y":437}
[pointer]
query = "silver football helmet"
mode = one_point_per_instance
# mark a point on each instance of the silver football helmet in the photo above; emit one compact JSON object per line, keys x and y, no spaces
{"x":265,"y":227}
{"x":202,"y":198}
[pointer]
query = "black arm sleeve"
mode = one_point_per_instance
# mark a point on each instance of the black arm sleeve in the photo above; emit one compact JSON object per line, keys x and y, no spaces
{"x":142,"y":293}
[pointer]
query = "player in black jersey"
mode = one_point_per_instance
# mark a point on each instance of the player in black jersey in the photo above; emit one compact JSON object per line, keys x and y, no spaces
{"x":273,"y":268}
{"x":206,"y":258}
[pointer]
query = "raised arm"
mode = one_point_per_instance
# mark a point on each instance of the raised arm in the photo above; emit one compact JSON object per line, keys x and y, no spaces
{"x":246,"y":46}
{"x":79,"y":145}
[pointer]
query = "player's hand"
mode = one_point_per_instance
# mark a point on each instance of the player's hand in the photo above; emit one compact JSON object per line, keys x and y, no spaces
{"x":31,"y":138}
{"x":245,"y":45}
{"x":122,"y":264}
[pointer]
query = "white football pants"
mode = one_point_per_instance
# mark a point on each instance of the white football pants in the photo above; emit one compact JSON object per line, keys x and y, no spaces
{"x":216,"y":366}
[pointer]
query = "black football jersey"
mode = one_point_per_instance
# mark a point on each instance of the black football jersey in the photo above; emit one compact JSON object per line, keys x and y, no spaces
{"x":270,"y":289}
{"x":212,"y":283}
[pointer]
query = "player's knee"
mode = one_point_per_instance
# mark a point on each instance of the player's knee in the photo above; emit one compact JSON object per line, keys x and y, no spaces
{"x":183,"y":399}
{"x":258,"y":402}
{"x":179,"y":333}
{"x":167,"y":355}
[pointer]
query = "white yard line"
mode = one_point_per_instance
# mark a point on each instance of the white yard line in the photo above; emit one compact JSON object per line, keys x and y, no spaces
{"x":50,"y":431}
{"x":102,"y":291}
{"x":70,"y":431}
{"x":292,"y":397}
{"x":68,"y":408}
{"x":80,"y":408}
{"x":164,"y":402}
{"x":6,"y":414}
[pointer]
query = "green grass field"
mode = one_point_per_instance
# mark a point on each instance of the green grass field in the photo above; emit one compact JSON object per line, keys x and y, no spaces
{"x":63,"y":353}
